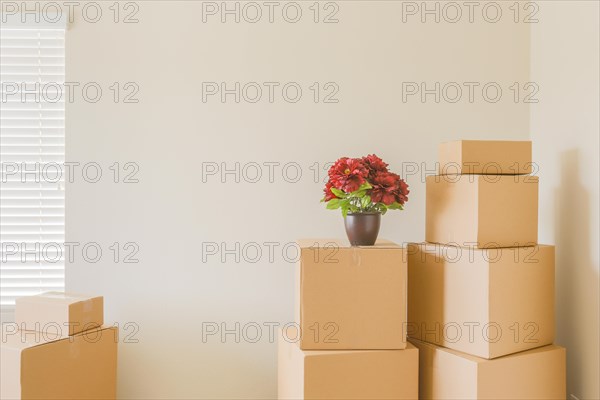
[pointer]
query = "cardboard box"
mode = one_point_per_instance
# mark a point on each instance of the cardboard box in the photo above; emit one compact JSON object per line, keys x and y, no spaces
{"x":346,"y":374}
{"x":496,"y":157}
{"x":73,"y":313}
{"x":36,"y":365}
{"x":448,"y":374}
{"x":484,"y":302}
{"x":351,"y":298}
{"x":482,"y":210}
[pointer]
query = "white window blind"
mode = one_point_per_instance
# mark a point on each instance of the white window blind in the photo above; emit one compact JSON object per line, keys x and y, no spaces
{"x":32,"y":155}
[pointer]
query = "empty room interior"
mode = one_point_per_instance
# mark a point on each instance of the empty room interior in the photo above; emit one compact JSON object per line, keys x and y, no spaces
{"x":303,"y":199}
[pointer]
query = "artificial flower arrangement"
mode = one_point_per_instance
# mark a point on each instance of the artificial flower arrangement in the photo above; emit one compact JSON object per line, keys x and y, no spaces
{"x":364,"y":189}
{"x":364,"y":185}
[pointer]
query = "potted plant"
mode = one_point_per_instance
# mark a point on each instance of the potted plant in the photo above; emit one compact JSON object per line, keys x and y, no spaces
{"x":363,"y":189}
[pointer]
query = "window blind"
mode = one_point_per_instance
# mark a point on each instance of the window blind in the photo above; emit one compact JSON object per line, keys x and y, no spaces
{"x":32,"y":155}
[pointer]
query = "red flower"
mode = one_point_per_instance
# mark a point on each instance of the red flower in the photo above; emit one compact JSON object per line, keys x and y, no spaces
{"x":328,"y":194}
{"x":402,"y":192}
{"x":388,"y":188}
{"x":374,"y":164}
{"x":348,"y":174}
{"x":384,"y":188}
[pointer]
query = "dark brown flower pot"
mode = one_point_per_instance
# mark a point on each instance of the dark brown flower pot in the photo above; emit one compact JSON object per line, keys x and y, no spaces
{"x":362,"y":228}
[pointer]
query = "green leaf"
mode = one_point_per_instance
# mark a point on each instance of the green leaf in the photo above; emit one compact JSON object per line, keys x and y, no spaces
{"x":357,"y":193}
{"x":345,"y":209}
{"x":338,"y":192}
{"x":365,"y":201}
{"x":395,"y":206}
{"x":333,"y":204}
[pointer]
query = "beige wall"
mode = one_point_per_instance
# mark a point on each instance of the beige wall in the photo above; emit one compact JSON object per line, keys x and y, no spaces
{"x":170,"y":132}
{"x":564,"y":130}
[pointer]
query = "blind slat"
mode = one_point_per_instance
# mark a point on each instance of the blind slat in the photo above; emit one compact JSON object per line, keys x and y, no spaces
{"x":32,"y":137}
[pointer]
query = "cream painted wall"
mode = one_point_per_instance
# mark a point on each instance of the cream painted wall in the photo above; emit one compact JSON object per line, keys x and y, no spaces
{"x":565,"y":131}
{"x":170,"y":132}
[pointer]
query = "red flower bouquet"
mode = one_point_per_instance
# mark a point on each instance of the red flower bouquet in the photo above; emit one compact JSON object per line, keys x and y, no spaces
{"x":364,"y":189}
{"x":364,"y":185}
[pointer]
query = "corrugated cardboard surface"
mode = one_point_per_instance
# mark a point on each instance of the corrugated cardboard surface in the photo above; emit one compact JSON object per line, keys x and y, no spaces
{"x":13,"y":343}
{"x":36,"y":366}
{"x":534,"y":374}
{"x":485,"y":157}
{"x":484,"y":302}
{"x":443,"y":375}
{"x":339,"y":374}
{"x":73,"y":313}
{"x":351,"y":297}
{"x":451,"y":209}
{"x":481,"y":210}
{"x":508,"y":211}
{"x":290,"y":369}
{"x":521,"y":297}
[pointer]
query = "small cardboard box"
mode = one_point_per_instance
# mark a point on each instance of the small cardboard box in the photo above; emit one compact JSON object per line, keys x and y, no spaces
{"x":351,"y":374}
{"x":40,"y":365}
{"x":482,"y":210}
{"x":495,"y":157}
{"x":534,"y":374}
{"x":73,"y":313}
{"x":484,"y":302}
{"x":351,"y":298}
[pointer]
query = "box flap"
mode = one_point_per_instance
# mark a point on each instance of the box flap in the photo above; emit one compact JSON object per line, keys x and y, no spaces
{"x":17,"y":339}
{"x":480,"y":360}
{"x":325,"y":353}
{"x":56,"y":297}
{"x":454,"y":352}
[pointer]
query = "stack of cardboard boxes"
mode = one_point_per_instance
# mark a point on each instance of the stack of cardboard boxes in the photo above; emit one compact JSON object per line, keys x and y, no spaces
{"x":481,"y":290}
{"x":58,"y":349}
{"x":348,"y":340}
